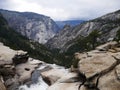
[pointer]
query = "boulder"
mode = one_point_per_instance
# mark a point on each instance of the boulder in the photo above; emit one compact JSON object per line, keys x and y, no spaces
{"x":6,"y":55}
{"x":51,"y":75}
{"x":24,"y":70}
{"x":66,"y":82}
{"x":16,"y":67}
{"x":20,"y":57}
{"x":96,"y":63}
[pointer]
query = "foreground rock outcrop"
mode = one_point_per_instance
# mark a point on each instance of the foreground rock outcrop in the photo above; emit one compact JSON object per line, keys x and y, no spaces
{"x":18,"y":71}
{"x":97,"y":70}
{"x":16,"y":68}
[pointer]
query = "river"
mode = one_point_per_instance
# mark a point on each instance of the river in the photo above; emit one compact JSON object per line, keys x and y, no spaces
{"x":40,"y":84}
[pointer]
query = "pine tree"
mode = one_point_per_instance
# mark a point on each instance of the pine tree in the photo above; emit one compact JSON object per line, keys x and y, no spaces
{"x":92,"y":38}
{"x":117,"y":38}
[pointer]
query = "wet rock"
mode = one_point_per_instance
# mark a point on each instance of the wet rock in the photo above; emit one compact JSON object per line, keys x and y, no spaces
{"x":35,"y":76}
{"x":47,"y":68}
{"x":25,"y":75}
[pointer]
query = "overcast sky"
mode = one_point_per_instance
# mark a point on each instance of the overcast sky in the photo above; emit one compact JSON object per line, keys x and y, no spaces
{"x":63,"y":9}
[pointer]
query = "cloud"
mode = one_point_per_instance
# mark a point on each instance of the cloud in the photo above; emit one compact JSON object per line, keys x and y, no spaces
{"x":64,"y":9}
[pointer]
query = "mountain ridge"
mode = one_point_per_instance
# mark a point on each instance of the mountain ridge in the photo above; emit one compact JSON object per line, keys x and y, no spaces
{"x":16,"y":41}
{"x":107,"y":25}
{"x":34,"y":26}
{"x":61,"y":24}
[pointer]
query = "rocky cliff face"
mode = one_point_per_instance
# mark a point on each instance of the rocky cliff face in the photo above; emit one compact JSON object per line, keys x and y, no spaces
{"x":107,"y":25}
{"x":60,"y":39}
{"x":34,"y":26}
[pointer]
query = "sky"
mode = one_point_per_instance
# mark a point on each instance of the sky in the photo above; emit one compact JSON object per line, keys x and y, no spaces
{"x":60,"y":10}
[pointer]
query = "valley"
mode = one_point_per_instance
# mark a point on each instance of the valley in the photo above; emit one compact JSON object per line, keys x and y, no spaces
{"x":36,"y":53}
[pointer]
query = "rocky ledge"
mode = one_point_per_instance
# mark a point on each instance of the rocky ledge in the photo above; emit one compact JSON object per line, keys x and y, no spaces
{"x":16,"y":68}
{"x":96,"y":70}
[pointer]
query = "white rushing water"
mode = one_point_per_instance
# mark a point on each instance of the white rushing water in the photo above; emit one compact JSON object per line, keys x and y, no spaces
{"x":41,"y":85}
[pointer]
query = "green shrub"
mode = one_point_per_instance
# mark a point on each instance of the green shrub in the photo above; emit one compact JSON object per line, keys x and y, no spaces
{"x":75,"y":63}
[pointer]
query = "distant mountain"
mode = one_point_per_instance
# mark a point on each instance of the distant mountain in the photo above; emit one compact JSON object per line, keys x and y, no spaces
{"x":34,"y":26}
{"x":61,"y":24}
{"x":107,"y":25}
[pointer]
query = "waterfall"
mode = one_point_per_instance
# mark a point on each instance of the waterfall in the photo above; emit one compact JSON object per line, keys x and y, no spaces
{"x":37,"y":81}
{"x":41,"y":85}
